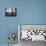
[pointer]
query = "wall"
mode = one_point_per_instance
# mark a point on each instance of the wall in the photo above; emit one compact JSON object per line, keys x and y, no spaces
{"x":28,"y":12}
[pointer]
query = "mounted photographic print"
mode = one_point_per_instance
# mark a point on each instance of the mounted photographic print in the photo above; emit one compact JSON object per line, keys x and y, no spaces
{"x":10,"y":11}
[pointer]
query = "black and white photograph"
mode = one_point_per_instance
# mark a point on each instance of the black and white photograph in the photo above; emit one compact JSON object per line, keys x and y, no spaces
{"x":10,"y":11}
